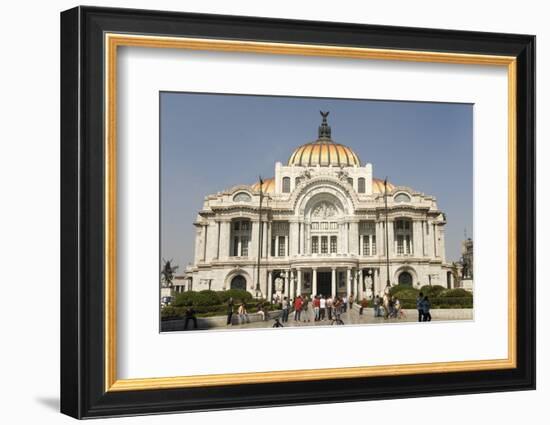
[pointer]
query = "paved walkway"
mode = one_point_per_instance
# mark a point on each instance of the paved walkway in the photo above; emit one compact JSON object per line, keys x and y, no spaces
{"x":349,"y":318}
{"x":354,"y":318}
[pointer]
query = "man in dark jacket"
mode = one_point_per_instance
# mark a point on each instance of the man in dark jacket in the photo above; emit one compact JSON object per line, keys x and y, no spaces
{"x":229,"y":311}
{"x":419,"y":300}
{"x":190,"y":315}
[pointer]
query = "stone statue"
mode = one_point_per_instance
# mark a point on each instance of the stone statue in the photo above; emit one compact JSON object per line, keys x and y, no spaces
{"x":167,"y":273}
{"x":279,"y":284}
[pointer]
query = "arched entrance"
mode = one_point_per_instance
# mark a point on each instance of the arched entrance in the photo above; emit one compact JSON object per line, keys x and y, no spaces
{"x":238,"y":282}
{"x":405,"y":278}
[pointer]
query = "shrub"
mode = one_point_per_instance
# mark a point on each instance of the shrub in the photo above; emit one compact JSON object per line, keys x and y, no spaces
{"x":184,"y":299}
{"x":456,"y":293}
{"x":398,"y":288}
{"x":168,"y":313}
{"x":206,"y":298}
{"x":238,"y":295}
{"x":432,"y":291}
{"x":409,"y":293}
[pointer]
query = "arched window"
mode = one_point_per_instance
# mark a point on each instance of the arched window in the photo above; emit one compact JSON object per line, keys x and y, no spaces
{"x":242,"y":197}
{"x":350,"y":181}
{"x":286,"y":184}
{"x":361,"y":185}
{"x":405,"y":278}
{"x":238,"y":282}
{"x":402,"y":197}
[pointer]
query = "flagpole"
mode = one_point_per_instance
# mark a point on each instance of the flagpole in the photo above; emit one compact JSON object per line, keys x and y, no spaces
{"x":260,"y":237}
{"x":387,"y":239}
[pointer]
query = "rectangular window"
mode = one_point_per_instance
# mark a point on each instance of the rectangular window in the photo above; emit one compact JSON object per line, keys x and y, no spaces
{"x":315,"y":226}
{"x":408,"y":244}
{"x":273,"y":247}
{"x":282,"y":247}
{"x":236,"y":225}
{"x":244,"y":246}
{"x":236,"y":247}
{"x":400,"y":244}
{"x":366,"y":245}
{"x":333,"y":244}
{"x":373,"y":245}
{"x":324,"y":244}
{"x":315,"y":245}
{"x":324,"y":225}
{"x":334,"y":226}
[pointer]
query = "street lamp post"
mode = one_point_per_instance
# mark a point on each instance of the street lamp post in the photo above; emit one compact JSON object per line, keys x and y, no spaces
{"x":387,"y":239}
{"x":260,"y":237}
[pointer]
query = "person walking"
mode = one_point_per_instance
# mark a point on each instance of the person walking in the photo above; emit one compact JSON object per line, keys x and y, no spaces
{"x":298,"y":304}
{"x":322,"y":307}
{"x":285,"y":306}
{"x":243,"y":314}
{"x":230,"y":311}
{"x":364,"y":305}
{"x":426,"y":305}
{"x":377,"y":306}
{"x":345,"y":303}
{"x":190,"y":315}
{"x":329,"y":307}
{"x":307,"y":308}
{"x":419,"y":300}
{"x":317,"y":308}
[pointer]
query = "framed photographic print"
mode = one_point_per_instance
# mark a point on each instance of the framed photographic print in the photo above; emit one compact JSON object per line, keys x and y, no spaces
{"x":261,"y":212}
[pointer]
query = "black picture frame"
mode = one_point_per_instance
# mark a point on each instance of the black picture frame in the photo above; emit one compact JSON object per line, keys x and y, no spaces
{"x":83,"y":392}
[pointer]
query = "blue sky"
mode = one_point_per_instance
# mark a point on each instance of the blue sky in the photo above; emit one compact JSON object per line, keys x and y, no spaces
{"x":211,"y":142}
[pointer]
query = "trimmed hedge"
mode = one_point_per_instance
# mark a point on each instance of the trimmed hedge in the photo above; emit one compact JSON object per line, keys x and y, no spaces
{"x":432,"y":291}
{"x":238,"y":295}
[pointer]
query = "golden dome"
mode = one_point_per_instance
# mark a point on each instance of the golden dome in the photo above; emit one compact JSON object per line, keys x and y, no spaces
{"x":324,"y":151}
{"x":268,"y":186}
{"x":378,"y":186}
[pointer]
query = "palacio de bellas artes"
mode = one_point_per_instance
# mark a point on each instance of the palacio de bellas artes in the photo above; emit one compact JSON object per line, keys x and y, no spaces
{"x":322,"y":226}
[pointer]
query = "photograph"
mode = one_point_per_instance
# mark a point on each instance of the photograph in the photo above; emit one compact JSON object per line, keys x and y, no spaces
{"x":281,"y":212}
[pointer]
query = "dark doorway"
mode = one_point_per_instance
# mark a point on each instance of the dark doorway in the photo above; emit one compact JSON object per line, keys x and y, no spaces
{"x":405,"y":278}
{"x":324,"y":283}
{"x":238,"y":282}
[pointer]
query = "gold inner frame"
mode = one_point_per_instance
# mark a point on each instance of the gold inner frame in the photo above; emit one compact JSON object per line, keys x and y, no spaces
{"x":113,"y":41}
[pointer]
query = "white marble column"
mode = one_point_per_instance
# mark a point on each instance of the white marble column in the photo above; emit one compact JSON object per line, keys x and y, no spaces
{"x":286,"y":280}
{"x":333,"y":283}
{"x":254,"y":240}
{"x":276,"y":246}
{"x":292,"y":292}
{"x":314,"y":282}
{"x":360,"y":285}
{"x":391,"y":239}
{"x":225,"y":239}
{"x":268,"y":241}
{"x":354,"y":238}
{"x":269,"y":286}
{"x":417,"y":238}
{"x":380,"y":239}
{"x":348,"y":282}
{"x":299,"y":281}
{"x":441,"y":242}
{"x":294,"y":241}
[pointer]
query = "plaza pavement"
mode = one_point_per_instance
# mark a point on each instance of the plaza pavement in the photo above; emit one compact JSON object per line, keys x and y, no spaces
{"x":349,"y":318}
